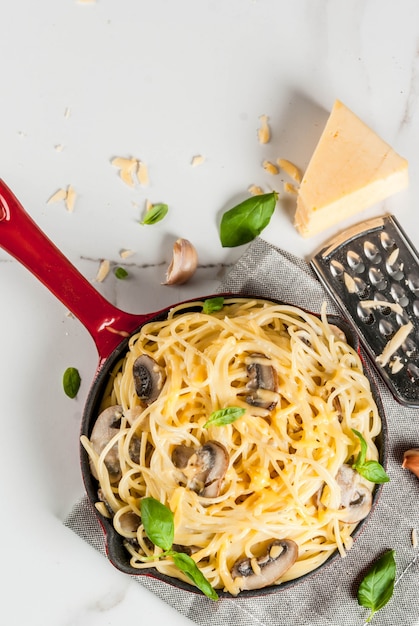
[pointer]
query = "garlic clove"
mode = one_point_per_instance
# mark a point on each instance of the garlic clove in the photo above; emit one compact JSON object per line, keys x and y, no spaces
{"x":183,"y":264}
{"x":411,"y":460}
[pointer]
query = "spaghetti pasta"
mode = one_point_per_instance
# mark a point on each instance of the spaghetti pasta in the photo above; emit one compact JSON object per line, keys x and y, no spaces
{"x":301,"y":389}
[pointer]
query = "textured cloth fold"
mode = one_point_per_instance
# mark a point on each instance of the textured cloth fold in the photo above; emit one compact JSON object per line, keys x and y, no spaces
{"x":327,"y":598}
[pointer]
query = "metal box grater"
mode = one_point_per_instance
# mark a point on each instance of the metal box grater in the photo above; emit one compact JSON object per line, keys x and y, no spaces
{"x":372,"y":271}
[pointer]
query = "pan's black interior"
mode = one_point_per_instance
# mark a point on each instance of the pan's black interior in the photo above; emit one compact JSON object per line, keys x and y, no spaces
{"x":116,"y":551}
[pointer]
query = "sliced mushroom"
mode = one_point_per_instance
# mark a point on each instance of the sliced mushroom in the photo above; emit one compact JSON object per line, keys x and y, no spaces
{"x":263,"y":383}
{"x":181,"y":456}
{"x":356,"y":498}
{"x":189,"y":550}
{"x":129,"y":522}
{"x":204,"y":469}
{"x":106,"y":427}
{"x":265,"y":570}
{"x":338,"y":332}
{"x":149,"y":378}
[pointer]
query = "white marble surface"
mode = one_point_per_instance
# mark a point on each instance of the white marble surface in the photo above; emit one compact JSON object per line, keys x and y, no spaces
{"x":160,"y":81}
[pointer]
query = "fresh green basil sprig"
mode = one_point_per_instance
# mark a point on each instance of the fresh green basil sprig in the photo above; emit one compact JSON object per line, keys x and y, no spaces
{"x":377,"y":586}
{"x":155,"y":214}
{"x":246,"y":221}
{"x":71,"y":382}
{"x":371,"y":470}
{"x":222,"y":417}
{"x":158,"y":522}
{"x":211,"y":305}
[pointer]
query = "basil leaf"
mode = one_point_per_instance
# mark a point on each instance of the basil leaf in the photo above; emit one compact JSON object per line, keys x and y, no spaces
{"x":245,"y":221}
{"x":363,"y":454}
{"x":158,"y":522}
{"x":377,"y":586}
{"x":222,"y":417}
{"x":155,"y":214}
{"x":187,"y":565}
{"x":213,"y":304}
{"x":71,"y":382}
{"x":120,"y":273}
{"x":373,"y":471}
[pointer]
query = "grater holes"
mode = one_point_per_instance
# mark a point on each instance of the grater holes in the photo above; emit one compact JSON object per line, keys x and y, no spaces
{"x":394,"y":265}
{"x":377,"y":278}
{"x":355,"y":261}
{"x":363,"y":289}
{"x":385,"y":310}
{"x":387,"y":241}
{"x":410,"y":348}
{"x":337,"y":270}
{"x":413,"y":283}
{"x":372,"y":252}
{"x":399,"y":294}
{"x":386,"y":328}
{"x":365,"y":314}
{"x":402,"y":318}
{"x":356,"y":285}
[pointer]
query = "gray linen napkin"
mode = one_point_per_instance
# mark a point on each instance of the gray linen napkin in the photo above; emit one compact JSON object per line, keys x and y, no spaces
{"x":329,"y":597}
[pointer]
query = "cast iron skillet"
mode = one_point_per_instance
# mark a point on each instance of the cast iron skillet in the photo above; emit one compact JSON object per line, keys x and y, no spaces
{"x":110,"y":329}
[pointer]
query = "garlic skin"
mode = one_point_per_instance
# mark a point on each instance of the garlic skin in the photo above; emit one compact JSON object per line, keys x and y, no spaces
{"x":411,"y":461}
{"x":184,"y":263}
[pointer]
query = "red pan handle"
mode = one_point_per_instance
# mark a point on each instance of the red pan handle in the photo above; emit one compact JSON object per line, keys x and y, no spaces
{"x":23,"y":239}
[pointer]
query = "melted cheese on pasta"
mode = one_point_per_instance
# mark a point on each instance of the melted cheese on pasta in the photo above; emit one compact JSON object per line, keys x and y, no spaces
{"x":280,"y":460}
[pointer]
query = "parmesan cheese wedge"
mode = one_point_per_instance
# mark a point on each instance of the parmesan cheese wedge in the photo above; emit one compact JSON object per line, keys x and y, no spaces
{"x":351,"y":169}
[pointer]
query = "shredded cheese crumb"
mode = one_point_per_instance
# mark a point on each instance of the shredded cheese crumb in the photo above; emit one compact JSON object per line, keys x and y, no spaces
{"x":396,"y":365}
{"x":59,"y":195}
{"x":124,"y":254}
{"x":291,"y":169}
{"x":114,"y":331}
{"x":414,"y":538}
{"x":142,"y":174}
{"x":255,"y":190}
{"x":275,"y":551}
{"x":198,"y":159}
{"x":67,"y":112}
{"x":129,"y":168}
{"x":270,"y":167}
{"x":349,"y":283}
{"x":264,"y":132}
{"x":290,"y":188}
{"x":375,"y":304}
{"x":59,"y":147}
{"x":393,"y":257}
{"x":70,"y":199}
{"x":67,"y":195}
{"x":394,"y":344}
{"x":103,"y":271}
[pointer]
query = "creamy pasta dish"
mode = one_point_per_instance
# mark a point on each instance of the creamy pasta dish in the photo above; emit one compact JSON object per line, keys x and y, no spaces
{"x":241,"y":422}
